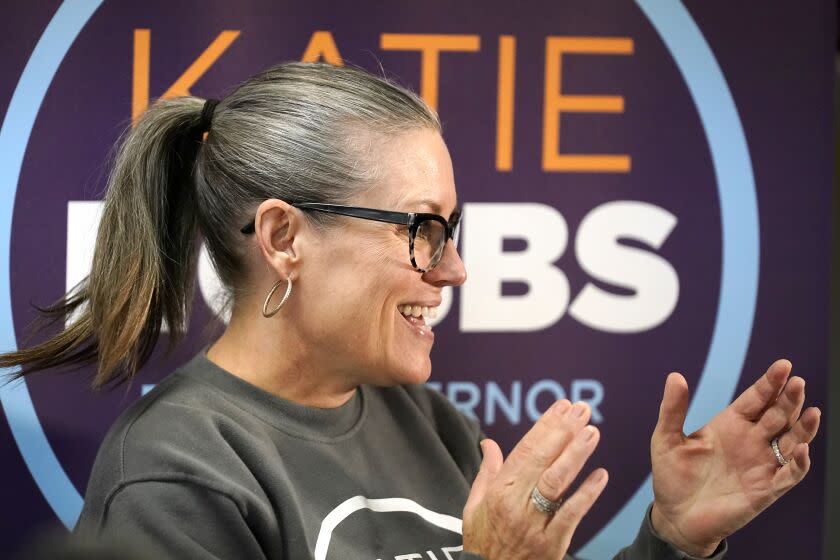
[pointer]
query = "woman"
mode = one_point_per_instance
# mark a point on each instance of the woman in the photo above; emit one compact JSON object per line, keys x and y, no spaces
{"x":326,"y":199}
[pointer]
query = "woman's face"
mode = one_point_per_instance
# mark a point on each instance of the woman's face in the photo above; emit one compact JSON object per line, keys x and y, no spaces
{"x":355,"y":284}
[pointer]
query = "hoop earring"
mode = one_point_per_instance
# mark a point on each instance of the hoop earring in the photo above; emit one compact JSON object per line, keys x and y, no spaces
{"x":267,"y":314}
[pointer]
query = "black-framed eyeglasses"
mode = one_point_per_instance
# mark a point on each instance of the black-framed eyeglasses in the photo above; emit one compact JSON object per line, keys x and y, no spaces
{"x":427,"y":233}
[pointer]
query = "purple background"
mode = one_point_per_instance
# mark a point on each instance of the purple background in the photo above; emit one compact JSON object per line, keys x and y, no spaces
{"x":776,"y":58}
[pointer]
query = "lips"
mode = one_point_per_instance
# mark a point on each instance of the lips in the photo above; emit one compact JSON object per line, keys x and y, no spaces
{"x":418,"y":325}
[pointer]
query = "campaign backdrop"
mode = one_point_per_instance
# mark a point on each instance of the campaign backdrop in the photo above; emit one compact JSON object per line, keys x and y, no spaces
{"x":646,"y":188}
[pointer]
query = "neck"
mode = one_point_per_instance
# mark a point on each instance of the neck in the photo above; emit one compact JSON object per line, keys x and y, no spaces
{"x":270,"y":355}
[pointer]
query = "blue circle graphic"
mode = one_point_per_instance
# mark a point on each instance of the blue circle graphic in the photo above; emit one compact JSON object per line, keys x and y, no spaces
{"x":26,"y":101}
{"x":739,"y":220}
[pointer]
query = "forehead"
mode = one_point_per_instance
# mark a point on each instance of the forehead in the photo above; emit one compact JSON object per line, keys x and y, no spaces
{"x":416,"y":170}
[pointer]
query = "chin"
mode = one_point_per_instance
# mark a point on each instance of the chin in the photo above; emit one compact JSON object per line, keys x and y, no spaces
{"x":413,"y":376}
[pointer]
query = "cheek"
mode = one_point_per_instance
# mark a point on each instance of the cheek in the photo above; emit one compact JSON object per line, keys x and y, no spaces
{"x":377,"y":296}
{"x":357,"y":286}
{"x":354,"y":302}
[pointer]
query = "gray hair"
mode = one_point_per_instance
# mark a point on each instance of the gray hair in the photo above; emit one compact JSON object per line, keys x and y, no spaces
{"x":296,"y":131}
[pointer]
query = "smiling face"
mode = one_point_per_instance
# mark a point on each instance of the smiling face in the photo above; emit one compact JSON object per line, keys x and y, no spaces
{"x":358,"y":281}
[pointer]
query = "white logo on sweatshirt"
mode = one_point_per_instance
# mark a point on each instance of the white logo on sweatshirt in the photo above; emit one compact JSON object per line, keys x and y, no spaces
{"x":383,"y":505}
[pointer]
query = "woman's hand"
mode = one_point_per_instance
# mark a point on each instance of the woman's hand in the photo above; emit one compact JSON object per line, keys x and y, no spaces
{"x":501,"y":521}
{"x":713,"y":482}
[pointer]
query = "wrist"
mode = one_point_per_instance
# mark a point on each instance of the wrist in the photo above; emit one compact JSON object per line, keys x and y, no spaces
{"x":668,"y":532}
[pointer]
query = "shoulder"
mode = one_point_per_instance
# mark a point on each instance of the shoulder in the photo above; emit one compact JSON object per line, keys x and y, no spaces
{"x":183,"y":426}
{"x":179,"y":517}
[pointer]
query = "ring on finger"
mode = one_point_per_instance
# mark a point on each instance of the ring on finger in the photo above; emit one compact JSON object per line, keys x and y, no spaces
{"x":778,"y":453}
{"x":543,"y":504}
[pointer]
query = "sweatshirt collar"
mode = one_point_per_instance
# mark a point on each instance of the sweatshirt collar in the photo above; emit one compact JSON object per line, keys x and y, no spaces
{"x":309,"y":422}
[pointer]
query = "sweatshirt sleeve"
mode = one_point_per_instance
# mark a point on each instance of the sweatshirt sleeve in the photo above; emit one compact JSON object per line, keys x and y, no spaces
{"x":650,"y":546}
{"x":167,"y":519}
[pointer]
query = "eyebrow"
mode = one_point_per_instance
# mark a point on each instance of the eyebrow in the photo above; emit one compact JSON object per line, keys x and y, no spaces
{"x":432,"y":204}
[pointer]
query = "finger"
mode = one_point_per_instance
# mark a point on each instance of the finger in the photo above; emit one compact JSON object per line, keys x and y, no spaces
{"x":777,"y":417}
{"x":673,"y":408}
{"x":797,"y":410}
{"x":761,"y":394}
{"x":491,"y":463}
{"x":559,"y":476}
{"x":803,"y":431}
{"x":792,"y":474}
{"x":545,"y":440}
{"x":566,"y":519}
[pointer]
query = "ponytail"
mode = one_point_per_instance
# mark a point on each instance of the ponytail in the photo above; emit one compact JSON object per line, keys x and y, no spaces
{"x":144,"y":259}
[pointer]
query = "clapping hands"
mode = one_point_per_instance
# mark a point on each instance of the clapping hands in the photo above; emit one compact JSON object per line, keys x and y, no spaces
{"x":707,"y":484}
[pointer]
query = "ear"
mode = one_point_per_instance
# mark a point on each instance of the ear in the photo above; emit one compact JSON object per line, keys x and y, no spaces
{"x":279,"y":230}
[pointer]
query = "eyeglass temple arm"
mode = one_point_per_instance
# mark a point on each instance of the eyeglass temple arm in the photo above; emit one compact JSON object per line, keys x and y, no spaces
{"x":357,"y":212}
{"x":353,"y":211}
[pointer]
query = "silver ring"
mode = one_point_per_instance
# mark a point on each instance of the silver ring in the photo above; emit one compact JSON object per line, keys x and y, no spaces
{"x":544,"y":504}
{"x":777,"y":452}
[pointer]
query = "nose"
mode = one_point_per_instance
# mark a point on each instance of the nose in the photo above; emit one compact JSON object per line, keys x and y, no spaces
{"x":450,"y":269}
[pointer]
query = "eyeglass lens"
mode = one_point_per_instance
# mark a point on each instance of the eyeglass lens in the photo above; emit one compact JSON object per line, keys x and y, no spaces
{"x":429,"y":243}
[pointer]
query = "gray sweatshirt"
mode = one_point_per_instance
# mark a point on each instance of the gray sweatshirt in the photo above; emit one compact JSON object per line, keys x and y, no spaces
{"x":207,"y":465}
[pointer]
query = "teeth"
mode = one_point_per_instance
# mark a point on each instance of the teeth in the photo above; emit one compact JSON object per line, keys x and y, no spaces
{"x":417,"y":311}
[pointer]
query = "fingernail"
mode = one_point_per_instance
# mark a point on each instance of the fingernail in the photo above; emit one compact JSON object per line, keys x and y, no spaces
{"x":580,"y":408}
{"x":560,"y":407}
{"x":588,"y":433}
